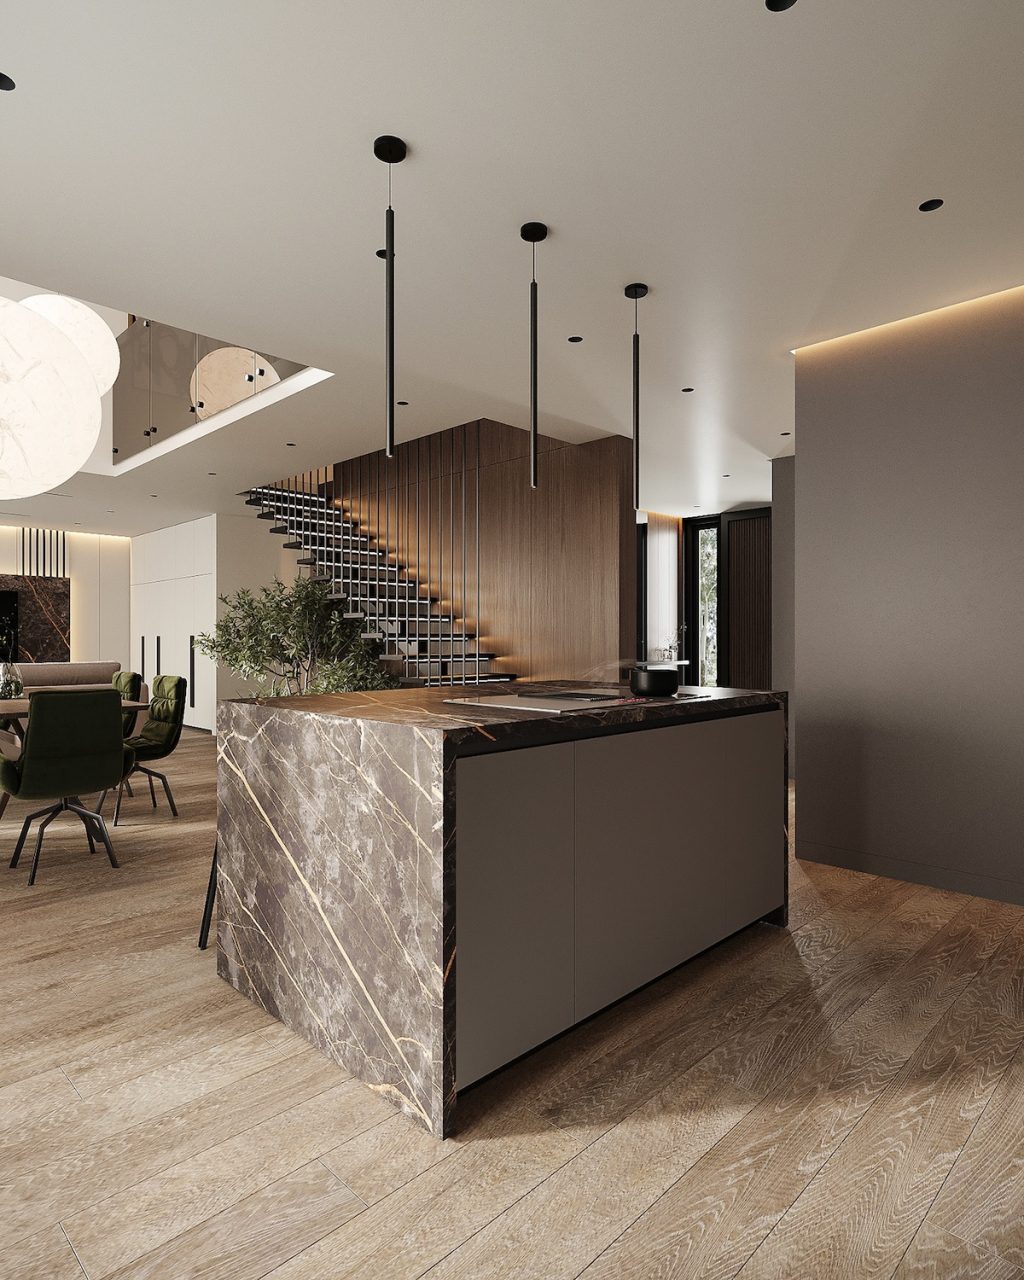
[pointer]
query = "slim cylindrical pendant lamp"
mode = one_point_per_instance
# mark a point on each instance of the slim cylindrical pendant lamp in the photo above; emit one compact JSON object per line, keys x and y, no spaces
{"x":635,"y":292}
{"x":392,"y":151}
{"x":533,"y":233}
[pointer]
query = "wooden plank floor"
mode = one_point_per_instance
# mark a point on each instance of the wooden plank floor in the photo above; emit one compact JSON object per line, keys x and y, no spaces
{"x":841,"y":1099}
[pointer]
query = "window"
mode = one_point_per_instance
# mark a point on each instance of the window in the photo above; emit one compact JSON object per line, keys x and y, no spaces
{"x":707,"y":606}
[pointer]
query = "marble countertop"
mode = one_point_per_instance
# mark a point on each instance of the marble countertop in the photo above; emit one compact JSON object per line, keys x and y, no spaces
{"x":426,"y":709}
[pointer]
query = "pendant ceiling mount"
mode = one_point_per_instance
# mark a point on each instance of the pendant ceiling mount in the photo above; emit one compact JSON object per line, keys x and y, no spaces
{"x":390,"y":150}
{"x":533,"y":233}
{"x":634,"y":292}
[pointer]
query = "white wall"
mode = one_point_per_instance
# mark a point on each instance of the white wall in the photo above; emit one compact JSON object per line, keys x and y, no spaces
{"x":98,"y":566}
{"x":177,"y":575}
{"x":663,"y":543}
{"x":248,"y":555}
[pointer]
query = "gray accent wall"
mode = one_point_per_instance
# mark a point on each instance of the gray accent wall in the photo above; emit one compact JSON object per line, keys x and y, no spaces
{"x":910,"y":599}
{"x":783,"y":607}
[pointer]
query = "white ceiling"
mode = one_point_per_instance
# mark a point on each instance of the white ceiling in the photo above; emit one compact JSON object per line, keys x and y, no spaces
{"x":210,"y":165}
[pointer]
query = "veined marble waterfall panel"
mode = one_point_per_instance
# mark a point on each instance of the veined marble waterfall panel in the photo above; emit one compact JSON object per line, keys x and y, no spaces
{"x":44,"y":617}
{"x":330,"y":895}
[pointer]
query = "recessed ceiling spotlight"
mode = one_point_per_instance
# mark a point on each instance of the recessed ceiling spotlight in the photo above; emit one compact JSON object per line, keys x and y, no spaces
{"x":154,"y":495}
{"x":785,"y":433}
{"x":687,"y":390}
{"x":6,"y":82}
{"x":110,"y":511}
{"x":726,"y":475}
{"x":402,"y":402}
{"x":211,"y":473}
{"x":929,"y":206}
{"x":778,"y":6}
{"x":289,"y":444}
{"x":575,"y":338}
{"x":382,"y":253}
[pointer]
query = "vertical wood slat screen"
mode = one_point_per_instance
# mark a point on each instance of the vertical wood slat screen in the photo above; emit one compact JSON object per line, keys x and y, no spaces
{"x":422,"y":506}
{"x":43,"y":553}
{"x":750,"y":603}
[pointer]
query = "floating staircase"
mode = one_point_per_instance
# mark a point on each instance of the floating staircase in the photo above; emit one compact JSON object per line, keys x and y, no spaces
{"x":419,"y":636}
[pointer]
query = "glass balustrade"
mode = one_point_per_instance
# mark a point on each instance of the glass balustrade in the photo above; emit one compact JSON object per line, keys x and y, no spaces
{"x":172,"y":379}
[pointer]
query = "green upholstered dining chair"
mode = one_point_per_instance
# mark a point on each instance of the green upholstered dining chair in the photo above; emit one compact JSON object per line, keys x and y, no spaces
{"x":72,"y":745}
{"x":129,"y":686}
{"x":158,"y":738}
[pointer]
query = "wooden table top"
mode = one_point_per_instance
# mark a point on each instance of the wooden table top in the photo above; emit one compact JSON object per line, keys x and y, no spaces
{"x":17,"y":708}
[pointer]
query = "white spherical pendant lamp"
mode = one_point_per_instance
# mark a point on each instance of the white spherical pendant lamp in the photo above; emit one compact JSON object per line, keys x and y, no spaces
{"x":88,"y":331}
{"x":49,"y":405}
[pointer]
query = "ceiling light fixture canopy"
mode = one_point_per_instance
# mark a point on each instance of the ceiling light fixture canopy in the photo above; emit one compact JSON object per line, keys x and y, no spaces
{"x":635,"y":292}
{"x":929,"y":206}
{"x":49,"y":404}
{"x":6,"y":83}
{"x":391,"y":151}
{"x":533,"y":233}
{"x":778,"y":6}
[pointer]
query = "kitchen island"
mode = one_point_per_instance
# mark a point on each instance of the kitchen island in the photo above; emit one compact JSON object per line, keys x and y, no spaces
{"x":425,"y":891}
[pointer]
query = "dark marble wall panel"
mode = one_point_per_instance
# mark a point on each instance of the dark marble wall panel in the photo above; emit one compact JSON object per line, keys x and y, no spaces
{"x":44,"y":617}
{"x":331,"y":894}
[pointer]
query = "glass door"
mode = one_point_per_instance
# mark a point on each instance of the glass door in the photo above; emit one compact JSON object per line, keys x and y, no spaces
{"x":700,"y":593}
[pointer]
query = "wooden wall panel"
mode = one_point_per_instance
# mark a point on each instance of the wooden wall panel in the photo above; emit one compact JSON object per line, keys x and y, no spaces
{"x":557,"y":564}
{"x":749,"y":632}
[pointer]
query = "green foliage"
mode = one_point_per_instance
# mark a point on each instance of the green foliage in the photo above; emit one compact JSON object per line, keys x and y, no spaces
{"x":288,"y":640}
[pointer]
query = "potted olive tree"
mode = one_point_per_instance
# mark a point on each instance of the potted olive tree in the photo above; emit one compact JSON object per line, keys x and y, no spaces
{"x":289,"y":640}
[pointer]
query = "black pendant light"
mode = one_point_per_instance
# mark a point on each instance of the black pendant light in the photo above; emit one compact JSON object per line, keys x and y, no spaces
{"x":533,"y":233}
{"x":635,"y":292}
{"x":392,"y":151}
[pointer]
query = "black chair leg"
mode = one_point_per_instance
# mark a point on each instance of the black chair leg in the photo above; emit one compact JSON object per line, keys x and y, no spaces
{"x":3,"y":802}
{"x":128,"y":788}
{"x":96,"y":821}
{"x":39,"y":842}
{"x":101,"y":802}
{"x":211,"y":897}
{"x":74,"y":805}
{"x":117,"y":802}
{"x":152,"y":791}
{"x":152,"y":773}
{"x":101,"y":827}
{"x":167,"y":791}
{"x":40,"y":813}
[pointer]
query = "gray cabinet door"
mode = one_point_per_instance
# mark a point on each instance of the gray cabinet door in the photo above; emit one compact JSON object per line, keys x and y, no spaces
{"x":679,"y":843}
{"x":513,"y":905}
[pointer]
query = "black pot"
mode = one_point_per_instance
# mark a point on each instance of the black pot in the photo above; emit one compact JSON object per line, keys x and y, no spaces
{"x":654,"y":682}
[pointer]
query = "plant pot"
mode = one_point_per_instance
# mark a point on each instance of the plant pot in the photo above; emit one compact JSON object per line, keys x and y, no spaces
{"x":11,"y":683}
{"x":654,"y":682}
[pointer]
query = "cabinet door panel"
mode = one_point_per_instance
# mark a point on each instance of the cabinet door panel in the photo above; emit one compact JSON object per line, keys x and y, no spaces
{"x":679,"y":842}
{"x":145,"y":623}
{"x":202,"y":713}
{"x":514,"y":853}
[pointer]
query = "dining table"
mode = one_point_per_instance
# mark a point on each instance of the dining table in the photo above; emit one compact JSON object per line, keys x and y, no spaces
{"x":15,"y":711}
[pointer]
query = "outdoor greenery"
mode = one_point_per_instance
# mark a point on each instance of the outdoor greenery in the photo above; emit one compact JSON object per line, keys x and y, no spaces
{"x":288,"y":640}
{"x":707,"y":606}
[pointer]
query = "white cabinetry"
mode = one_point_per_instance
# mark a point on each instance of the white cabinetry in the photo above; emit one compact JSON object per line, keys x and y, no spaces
{"x":173,"y":600}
